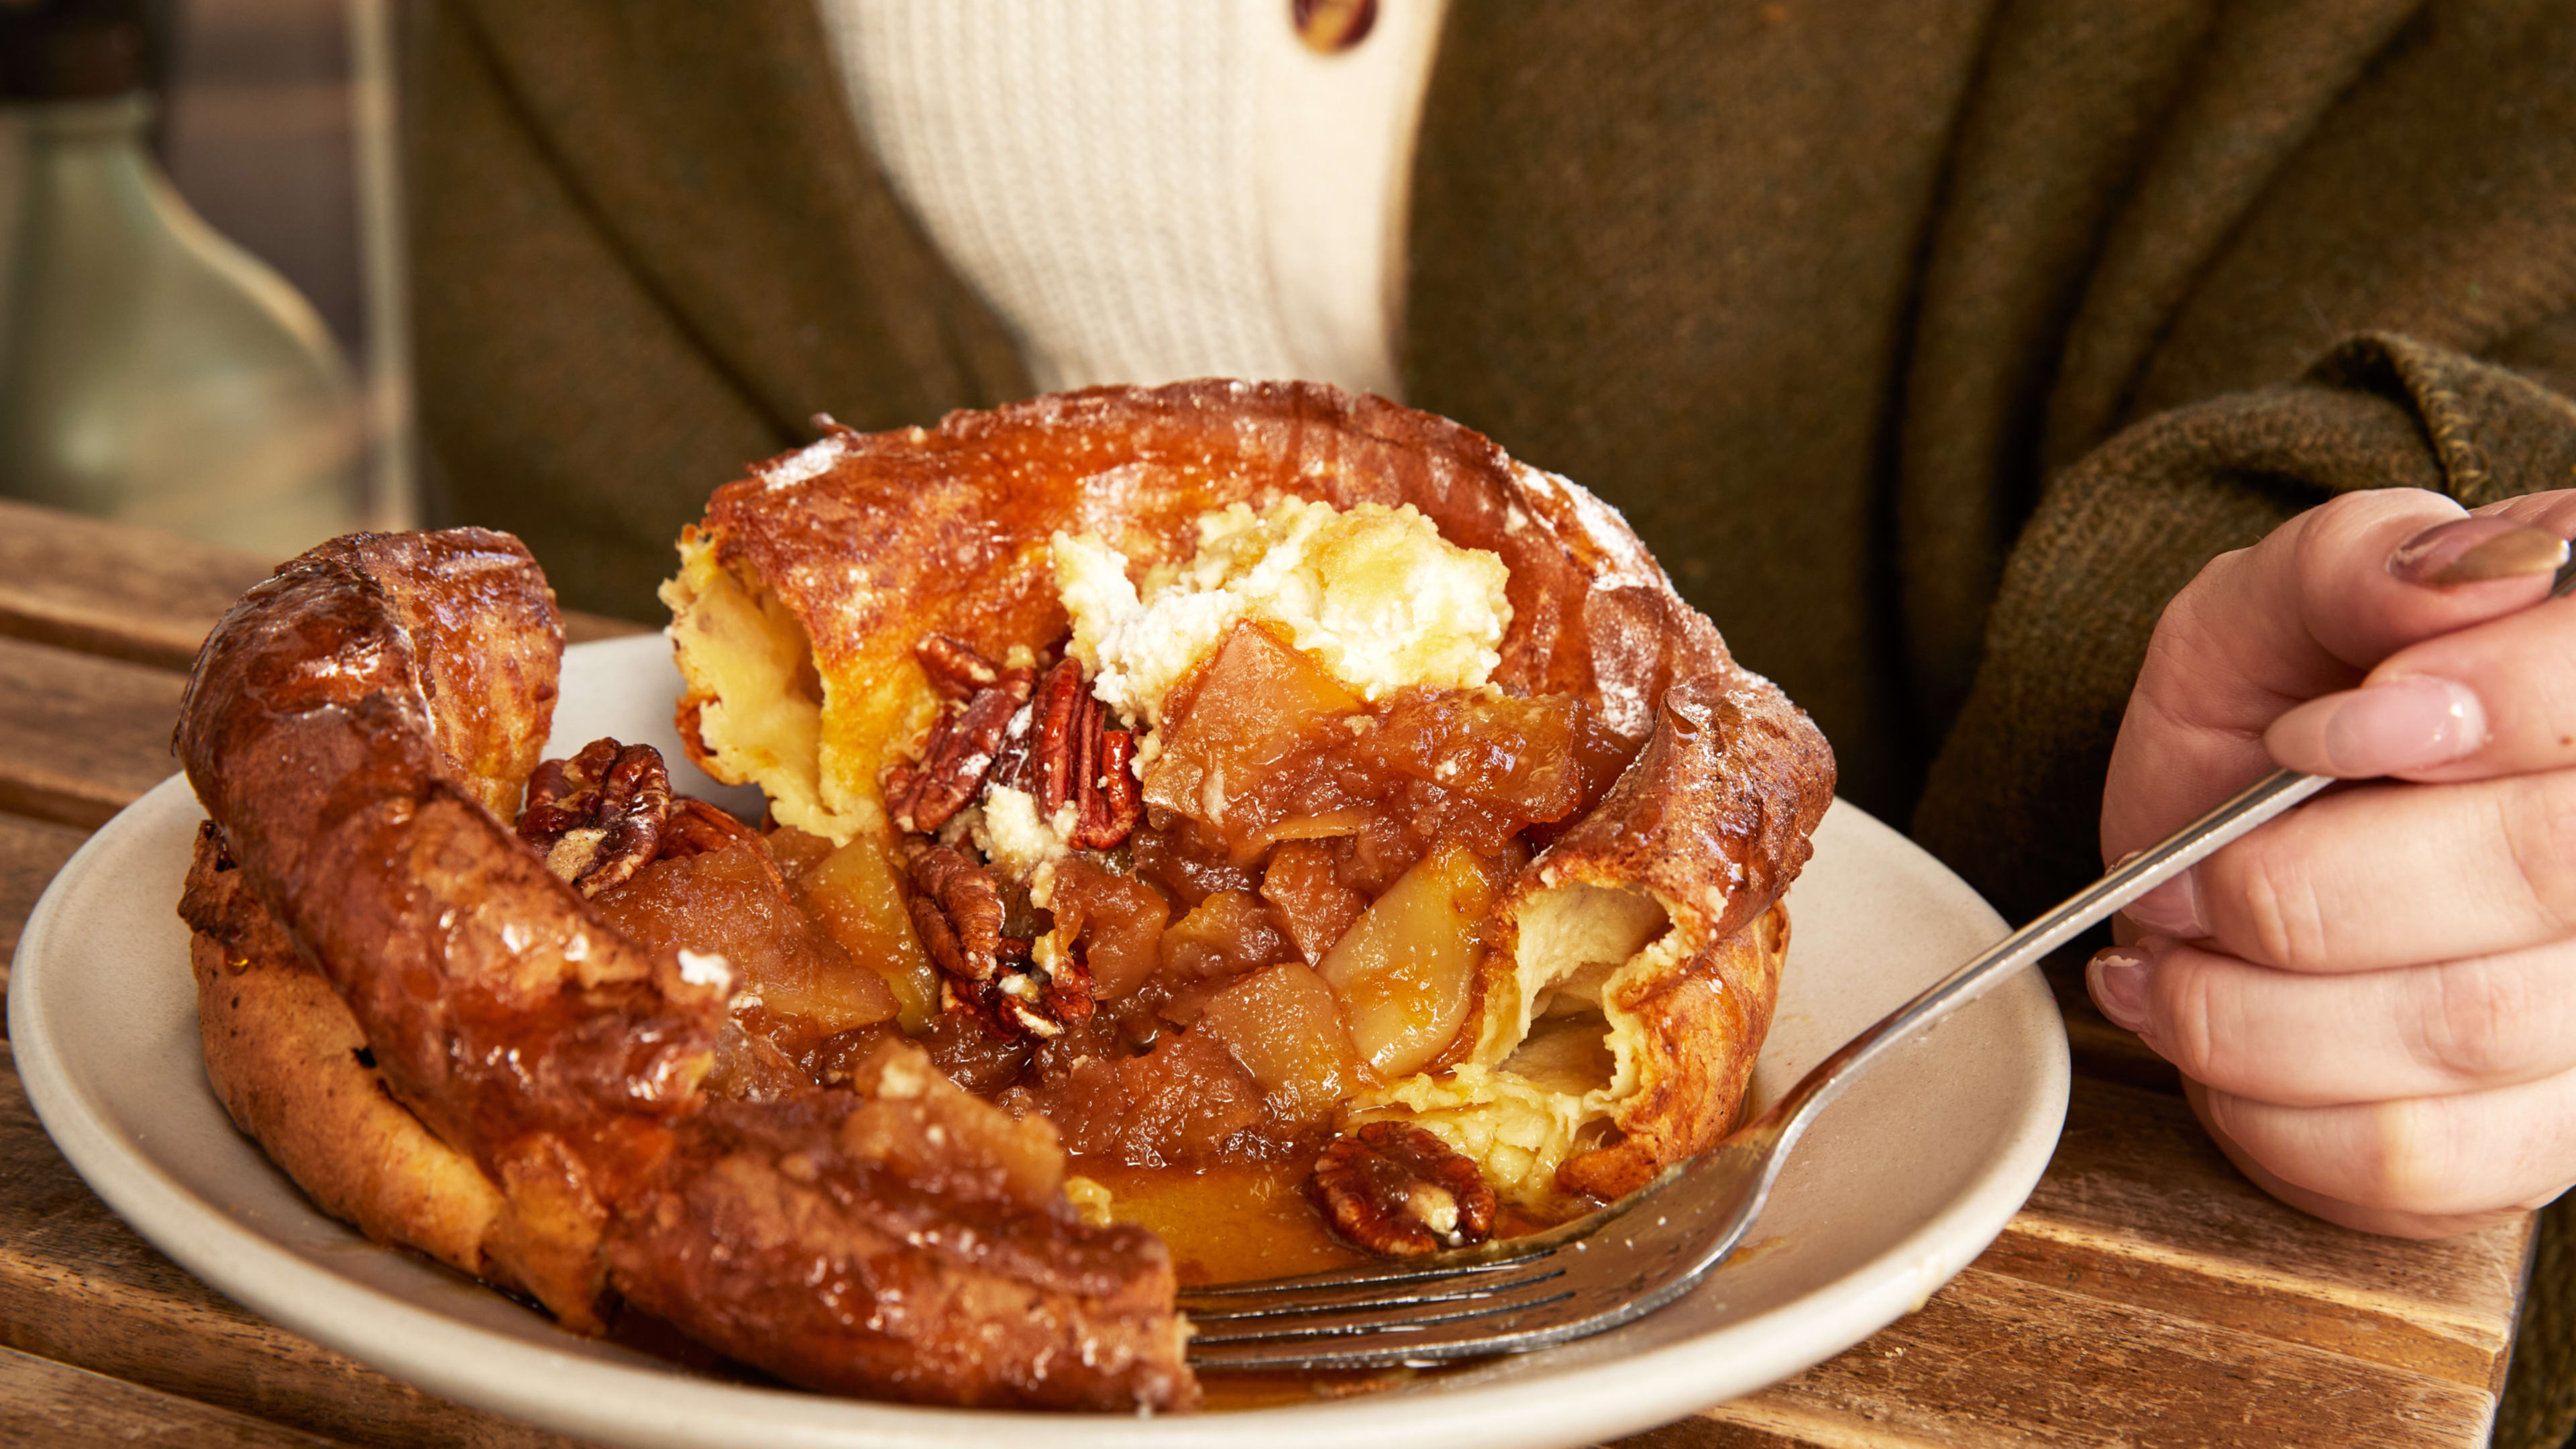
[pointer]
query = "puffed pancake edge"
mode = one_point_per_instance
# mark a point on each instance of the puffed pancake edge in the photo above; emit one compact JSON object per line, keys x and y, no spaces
{"x":357,"y":727}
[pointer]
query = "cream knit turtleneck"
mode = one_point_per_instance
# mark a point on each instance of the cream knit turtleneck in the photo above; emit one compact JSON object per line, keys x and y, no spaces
{"x":1153,"y":189}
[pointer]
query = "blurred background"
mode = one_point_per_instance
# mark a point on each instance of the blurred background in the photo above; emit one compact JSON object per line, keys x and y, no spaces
{"x":201,"y":323}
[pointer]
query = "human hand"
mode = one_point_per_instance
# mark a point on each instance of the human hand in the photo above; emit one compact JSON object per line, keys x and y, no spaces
{"x":2373,"y":998}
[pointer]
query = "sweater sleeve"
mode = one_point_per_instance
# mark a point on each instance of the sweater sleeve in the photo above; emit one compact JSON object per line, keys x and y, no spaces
{"x":2014,"y":798}
{"x":646,"y":246}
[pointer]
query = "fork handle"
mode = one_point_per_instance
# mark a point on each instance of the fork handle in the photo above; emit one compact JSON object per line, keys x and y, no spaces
{"x":2127,"y":881}
{"x":2132,"y":878}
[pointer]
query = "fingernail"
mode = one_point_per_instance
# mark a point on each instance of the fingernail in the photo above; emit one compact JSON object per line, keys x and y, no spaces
{"x":2473,"y":550}
{"x":2380,"y":729}
{"x":2171,"y":909}
{"x":2117,"y":977}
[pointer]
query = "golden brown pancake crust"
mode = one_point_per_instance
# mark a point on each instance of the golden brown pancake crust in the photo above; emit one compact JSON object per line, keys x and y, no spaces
{"x":902,"y":534}
{"x":289,"y":1063}
{"x":874,"y":542}
{"x":352,"y":726}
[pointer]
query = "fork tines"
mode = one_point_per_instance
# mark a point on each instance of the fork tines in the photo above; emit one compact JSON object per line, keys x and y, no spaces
{"x":1387,"y":1332}
{"x":1441,"y":1267}
{"x":1407,"y":1313}
{"x":1471,"y":1287}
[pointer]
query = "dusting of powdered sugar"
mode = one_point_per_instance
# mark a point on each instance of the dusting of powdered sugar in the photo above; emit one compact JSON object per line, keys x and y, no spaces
{"x":811,"y":461}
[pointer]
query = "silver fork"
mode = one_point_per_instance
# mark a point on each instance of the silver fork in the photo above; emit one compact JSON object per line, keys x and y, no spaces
{"x":1649,"y":1248}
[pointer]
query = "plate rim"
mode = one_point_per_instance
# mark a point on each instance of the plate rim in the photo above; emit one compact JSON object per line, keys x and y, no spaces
{"x":646,"y":1405}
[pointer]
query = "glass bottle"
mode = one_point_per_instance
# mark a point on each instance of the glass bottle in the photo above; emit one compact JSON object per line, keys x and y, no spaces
{"x":151,"y":371}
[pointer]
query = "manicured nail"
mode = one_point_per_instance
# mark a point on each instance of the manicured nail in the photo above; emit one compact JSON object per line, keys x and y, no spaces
{"x":2171,"y":909}
{"x":2473,"y":550}
{"x":2381,"y":729}
{"x":2117,"y":977}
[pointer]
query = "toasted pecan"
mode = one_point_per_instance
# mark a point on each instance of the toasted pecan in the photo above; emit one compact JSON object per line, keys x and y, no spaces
{"x":1396,"y":1190}
{"x":957,"y":909}
{"x":924,"y":793}
{"x":597,"y":817}
{"x":1070,"y":756}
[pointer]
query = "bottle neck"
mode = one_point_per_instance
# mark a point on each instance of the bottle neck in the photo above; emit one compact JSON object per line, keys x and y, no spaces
{"x":109,"y":120}
{"x":89,"y":181}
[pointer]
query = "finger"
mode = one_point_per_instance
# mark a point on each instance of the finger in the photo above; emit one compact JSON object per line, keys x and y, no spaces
{"x":2304,"y":612}
{"x":2385,"y":875}
{"x":2425,"y":1157}
{"x":2320,"y":1041}
{"x":2491,"y":699}
{"x":2339,"y":588}
{"x":2551,"y":512}
{"x":2384,"y":1221}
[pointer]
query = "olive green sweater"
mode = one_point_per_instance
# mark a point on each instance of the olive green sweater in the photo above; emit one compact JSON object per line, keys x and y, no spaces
{"x":1932,"y":344}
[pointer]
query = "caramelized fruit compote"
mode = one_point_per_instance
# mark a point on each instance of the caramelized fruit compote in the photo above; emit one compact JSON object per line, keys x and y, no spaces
{"x":1286,"y":904}
{"x":1296,"y":911}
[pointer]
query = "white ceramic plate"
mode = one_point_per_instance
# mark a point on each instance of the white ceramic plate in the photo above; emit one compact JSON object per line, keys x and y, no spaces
{"x":1905,"y":1179}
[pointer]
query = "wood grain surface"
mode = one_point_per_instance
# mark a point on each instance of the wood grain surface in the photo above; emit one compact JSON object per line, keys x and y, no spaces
{"x":105,"y":724}
{"x":2147,"y":1296}
{"x":44,"y":1402}
{"x":144,"y":597}
{"x":119,"y":592}
{"x":30,"y":852}
{"x":1992,"y":1359}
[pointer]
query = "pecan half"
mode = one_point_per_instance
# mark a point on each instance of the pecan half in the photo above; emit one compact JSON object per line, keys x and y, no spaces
{"x":923,"y":794}
{"x":1395,"y":1189}
{"x":1111,"y":802}
{"x":955,"y":670}
{"x":693,"y":827}
{"x":1072,"y":756}
{"x":957,"y":910}
{"x":1025,"y":998}
{"x":597,"y":817}
{"x":1056,"y":736}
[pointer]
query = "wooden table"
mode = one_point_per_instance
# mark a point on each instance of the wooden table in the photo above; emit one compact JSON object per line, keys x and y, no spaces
{"x":2146,"y":1296}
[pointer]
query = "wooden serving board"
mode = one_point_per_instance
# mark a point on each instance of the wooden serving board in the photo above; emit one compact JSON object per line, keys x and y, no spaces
{"x":2147,"y":1296}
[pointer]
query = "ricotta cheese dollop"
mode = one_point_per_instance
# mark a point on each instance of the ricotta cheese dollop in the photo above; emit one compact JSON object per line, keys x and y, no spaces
{"x":1373,"y":594}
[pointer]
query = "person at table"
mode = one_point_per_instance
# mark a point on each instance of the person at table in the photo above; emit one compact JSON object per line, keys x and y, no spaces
{"x":2076,"y":407}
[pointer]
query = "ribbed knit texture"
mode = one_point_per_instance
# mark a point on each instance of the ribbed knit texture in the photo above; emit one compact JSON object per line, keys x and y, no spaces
{"x":1146,"y":190}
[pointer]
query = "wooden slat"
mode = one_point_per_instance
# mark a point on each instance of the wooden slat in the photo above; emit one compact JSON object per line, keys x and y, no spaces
{"x":130,"y":594}
{"x":2138,"y":1191}
{"x":2138,"y":1206}
{"x":43,"y":1402}
{"x":85,"y":735}
{"x":1996,"y":1360}
{"x":107,"y":589}
{"x":143,"y":597}
{"x":78,"y":1287}
{"x":30,"y":852}
{"x":2149,"y":1295}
